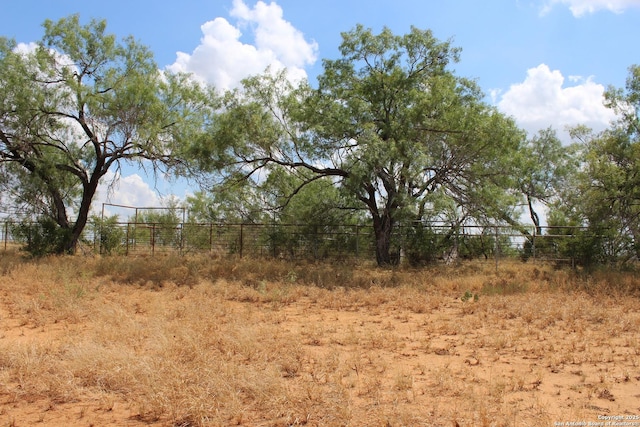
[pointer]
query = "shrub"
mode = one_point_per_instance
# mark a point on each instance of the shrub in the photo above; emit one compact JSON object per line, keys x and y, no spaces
{"x":110,"y":235}
{"x":42,"y":237}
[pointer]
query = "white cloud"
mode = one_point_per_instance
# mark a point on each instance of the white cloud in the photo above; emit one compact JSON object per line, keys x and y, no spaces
{"x":223,"y":60}
{"x":273,"y":33}
{"x":130,"y":190}
{"x":541,"y":100}
{"x":581,"y":7}
{"x":26,"y":48}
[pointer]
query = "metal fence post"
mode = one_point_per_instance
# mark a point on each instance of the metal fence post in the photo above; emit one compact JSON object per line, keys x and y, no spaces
{"x":573,"y":252}
{"x":182,"y":237}
{"x":357,"y":241}
{"x":153,"y":239}
{"x":497,"y":248}
{"x":210,"y":237}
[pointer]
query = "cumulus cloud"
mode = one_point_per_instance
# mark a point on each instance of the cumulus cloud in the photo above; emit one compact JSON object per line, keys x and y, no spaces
{"x":26,"y":48}
{"x":223,"y":59}
{"x":543,"y":100}
{"x":130,"y":190}
{"x":582,"y":7}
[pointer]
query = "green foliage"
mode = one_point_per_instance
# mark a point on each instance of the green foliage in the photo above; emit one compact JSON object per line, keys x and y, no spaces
{"x":568,"y":239}
{"x":159,"y":226}
{"x":312,"y":218}
{"x":41,"y":237}
{"x":234,"y":203}
{"x":604,"y":194}
{"x":389,"y":124}
{"x":424,"y":244}
{"x":544,"y":166}
{"x":197,"y":236}
{"x":110,"y":235}
{"x":78,"y":105}
{"x":313,"y":242}
{"x":468,"y":296}
{"x":419,"y":129}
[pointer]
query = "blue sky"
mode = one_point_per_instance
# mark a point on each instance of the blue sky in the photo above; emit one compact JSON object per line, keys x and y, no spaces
{"x":544,"y":62}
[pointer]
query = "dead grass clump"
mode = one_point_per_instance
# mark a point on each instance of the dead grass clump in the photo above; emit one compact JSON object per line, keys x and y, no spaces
{"x":262,"y":292}
{"x":614,"y":283}
{"x":318,"y":274}
{"x":416,"y":300}
{"x":153,"y":271}
{"x":47,"y":292}
{"x":31,"y":372}
{"x":249,"y":269}
{"x":114,"y":369}
{"x":10,"y":260}
{"x":503,"y":286}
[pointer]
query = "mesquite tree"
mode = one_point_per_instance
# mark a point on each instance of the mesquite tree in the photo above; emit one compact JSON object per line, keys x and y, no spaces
{"x":389,"y":123}
{"x":76,"y":106}
{"x":606,"y":191}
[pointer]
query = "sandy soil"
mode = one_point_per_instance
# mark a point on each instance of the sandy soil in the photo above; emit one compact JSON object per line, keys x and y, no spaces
{"x":373,"y":357}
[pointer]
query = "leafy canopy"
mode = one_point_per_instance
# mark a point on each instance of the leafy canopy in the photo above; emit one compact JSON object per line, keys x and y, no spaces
{"x":389,"y":124}
{"x":76,"y":107}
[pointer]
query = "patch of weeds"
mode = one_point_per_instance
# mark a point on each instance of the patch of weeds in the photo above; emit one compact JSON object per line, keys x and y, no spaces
{"x":291,"y":277}
{"x":261,"y":287}
{"x":468,"y":296}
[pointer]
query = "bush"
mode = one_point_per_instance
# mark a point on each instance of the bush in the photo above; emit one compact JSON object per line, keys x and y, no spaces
{"x":110,"y":235}
{"x":424,"y":245}
{"x":42,"y":237}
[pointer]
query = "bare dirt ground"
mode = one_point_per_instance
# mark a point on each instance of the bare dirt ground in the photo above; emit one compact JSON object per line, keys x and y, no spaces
{"x":534,"y":348}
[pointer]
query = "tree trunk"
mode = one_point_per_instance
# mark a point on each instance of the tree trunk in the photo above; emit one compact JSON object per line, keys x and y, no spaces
{"x":72,"y":242}
{"x":382,"y":227}
{"x":59,"y":211}
{"x":89,"y":191}
{"x":534,"y":216}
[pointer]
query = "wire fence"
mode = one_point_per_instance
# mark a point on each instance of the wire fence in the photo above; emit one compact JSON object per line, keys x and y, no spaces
{"x":415,"y":243}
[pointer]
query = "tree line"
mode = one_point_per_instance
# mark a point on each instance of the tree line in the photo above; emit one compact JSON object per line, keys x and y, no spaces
{"x":390,"y":136}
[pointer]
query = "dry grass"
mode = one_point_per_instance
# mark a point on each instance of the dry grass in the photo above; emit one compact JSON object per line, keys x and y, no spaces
{"x":195,"y":341}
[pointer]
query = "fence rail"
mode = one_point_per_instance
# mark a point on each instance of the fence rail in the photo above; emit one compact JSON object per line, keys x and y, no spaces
{"x":415,"y":243}
{"x":266,"y":240}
